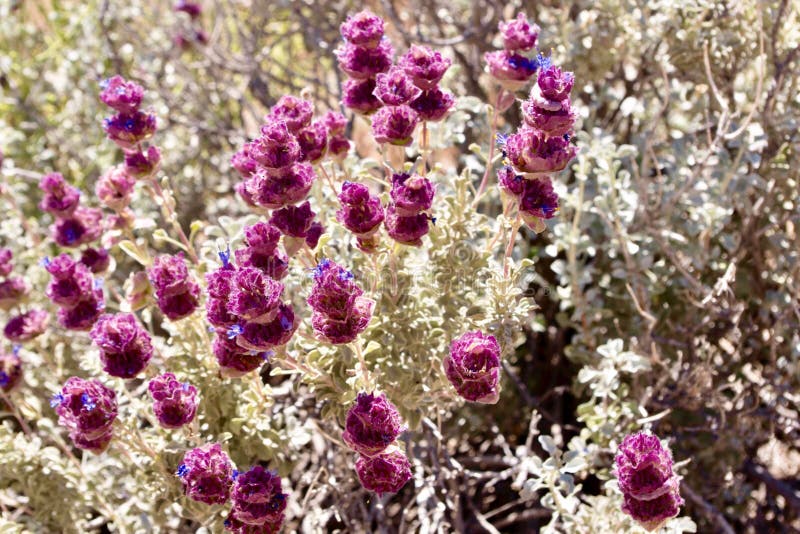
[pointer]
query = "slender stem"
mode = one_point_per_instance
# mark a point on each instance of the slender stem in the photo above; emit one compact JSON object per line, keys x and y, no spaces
{"x":492,"y":147}
{"x":510,"y":247}
{"x":170,"y":215}
{"x":424,"y":148}
{"x":362,"y":363}
{"x":17,"y":415}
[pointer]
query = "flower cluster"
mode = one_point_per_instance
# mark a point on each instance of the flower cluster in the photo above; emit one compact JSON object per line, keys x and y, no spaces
{"x":406,"y":215}
{"x":74,"y":225}
{"x":371,"y":428}
{"x":340,"y":310}
{"x":87,"y":408}
{"x":22,"y":326}
{"x":26,"y":325}
{"x":650,"y":488}
{"x":174,"y":402}
{"x":176,"y":291}
{"x":207,"y":474}
{"x":365,"y":54}
{"x":77,"y":294}
{"x":426,"y":68}
{"x":510,"y":66}
{"x":362,"y":214}
{"x":473,"y":367}
{"x":258,"y":501}
{"x":130,"y":126}
{"x":125,"y":347}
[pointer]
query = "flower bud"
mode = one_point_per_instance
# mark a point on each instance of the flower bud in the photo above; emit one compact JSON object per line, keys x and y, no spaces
{"x":473,"y":367}
{"x":206,"y":474}
{"x":386,"y":473}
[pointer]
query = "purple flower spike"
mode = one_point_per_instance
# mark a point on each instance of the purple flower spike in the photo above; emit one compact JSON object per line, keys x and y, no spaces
{"x":363,"y":63}
{"x":411,"y":194}
{"x":361,"y":213}
{"x":142,"y":164}
{"x":174,"y":403}
{"x":359,"y":95}
{"x":335,"y":122}
{"x":395,"y":87}
{"x":262,"y":237}
{"x":294,"y":112}
{"x":339,"y":332}
{"x":313,"y":141}
{"x":395,"y":125}
{"x":650,"y":488}
{"x":254,"y":296}
{"x":127,"y":130}
{"x":433,"y":105}
{"x":519,"y":34}
{"x":425,"y":66}
{"x":96,"y":259}
{"x":114,"y":188}
{"x":206,"y":474}
{"x":555,"y":84}
{"x":276,"y":148}
{"x":125,"y":347}
{"x":473,"y":367}
{"x":373,"y":423}
{"x":530,"y":151}
{"x":26,"y":326}
{"x":10,"y":371}
{"x":122,"y":95}
{"x":387,"y":473}
{"x":511,"y":70}
{"x":293,"y":221}
{"x":363,"y":29}
{"x":87,"y":408}
{"x":82,"y":227}
{"x":60,"y":199}
{"x":407,"y":230}
{"x":258,"y":497}
{"x":12,"y":291}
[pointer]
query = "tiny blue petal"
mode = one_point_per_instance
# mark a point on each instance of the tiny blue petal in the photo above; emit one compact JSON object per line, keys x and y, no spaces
{"x":56,"y":399}
{"x":234,"y":331}
{"x":182,"y":470}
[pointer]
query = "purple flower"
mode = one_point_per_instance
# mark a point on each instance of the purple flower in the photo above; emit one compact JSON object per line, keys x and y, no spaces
{"x":82,"y":316}
{"x":176,"y":292}
{"x":373,"y":423}
{"x":96,"y":259}
{"x":80,"y":228}
{"x":234,"y":360}
{"x":338,"y":146}
{"x":341,"y":331}
{"x":361,"y":213}
{"x":71,"y":282}
{"x":510,"y":182}
{"x":519,"y":34}
{"x":254,"y":296}
{"x":314,"y":233}
{"x":220,"y":283}
{"x":127,"y":130}
{"x":276,"y":148}
{"x":411,"y":194}
{"x":538,"y":201}
{"x":174,"y":403}
{"x":125,"y":347}
{"x":243,"y":163}
{"x":651,"y":490}
{"x":293,"y":221}
{"x":313,"y":141}
{"x":530,"y":151}
{"x":26,"y":326}
{"x":233,"y":524}
{"x":334,"y":291}
{"x":395,"y":87}
{"x":262,"y":237}
{"x":262,"y":337}
{"x":395,"y":125}
{"x":432,"y":105}
{"x":12,"y":290}
{"x":425,"y":66}
{"x":176,"y":307}
{"x":363,"y":29}
{"x":10,"y":371}
{"x":387,"y":473}
{"x":551,"y":122}
{"x":473,"y":367}
{"x":87,"y":408}
{"x":258,"y":497}
{"x":265,"y":190}
{"x":274,"y":264}
{"x":555,"y":84}
{"x":114,"y":188}
{"x":407,"y":230}
{"x":5,"y":261}
{"x":60,"y":199}
{"x":294,"y":112}
{"x":335,"y":122}
{"x":142,"y":164}
{"x":363,"y":63}
{"x":121,"y":95}
{"x":359,"y":95}
{"x":206,"y":474}
{"x":193,"y":9}
{"x":511,"y":70}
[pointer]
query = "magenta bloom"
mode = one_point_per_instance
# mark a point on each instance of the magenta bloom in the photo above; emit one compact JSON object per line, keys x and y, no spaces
{"x":433,"y":105}
{"x":313,"y":141}
{"x":530,"y":151}
{"x":341,"y":331}
{"x":129,"y":129}
{"x":96,"y":259}
{"x":6,"y":266}
{"x":359,"y":95}
{"x":83,"y":315}
{"x":519,"y":34}
{"x":232,"y":524}
{"x":555,"y":84}
{"x":262,"y":236}
{"x":293,"y":111}
{"x":363,"y":63}
{"x":243,"y":163}
{"x":551,"y":122}
{"x":338,"y":146}
{"x":87,"y":408}
{"x":334,"y":292}
{"x":411,"y":194}
{"x":265,"y":190}
{"x":373,"y":423}
{"x":261,"y":337}
{"x":207,"y":474}
{"x":71,"y":282}
{"x":174,"y":403}
{"x":121,"y":95}
{"x":176,"y":292}
{"x":510,"y":182}
{"x":12,"y":290}
{"x":276,"y":148}
{"x":258,"y":497}
{"x":125,"y":347}
{"x":407,"y":230}
{"x":361,"y":213}
{"x":425,"y":66}
{"x":82,"y":227}
{"x":142,"y":164}
{"x":114,"y":188}
{"x":651,"y":490}
{"x":254,"y":296}
{"x":262,"y":250}
{"x":10,"y":371}
{"x":386,"y":473}
{"x":60,"y":199}
{"x":512,"y":70}
{"x":395,"y":125}
{"x":395,"y":87}
{"x":234,"y":360}
{"x":335,"y":122}
{"x":538,"y":200}
{"x":315,"y":231}
{"x":363,"y":29}
{"x":26,"y":326}
{"x":293,"y":221}
{"x":220,"y":284}
{"x":473,"y":367}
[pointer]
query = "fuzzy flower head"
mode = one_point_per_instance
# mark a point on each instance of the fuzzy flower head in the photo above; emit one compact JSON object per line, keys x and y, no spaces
{"x":411,"y":193}
{"x":83,"y":315}
{"x":531,"y":151}
{"x":295,"y":112}
{"x":262,"y":236}
{"x":244,"y":164}
{"x":395,"y":125}
{"x":10,"y":371}
{"x":408,"y":230}
{"x":511,"y":70}
{"x":70,"y":281}
{"x":433,"y":105}
{"x":174,"y":402}
{"x":114,"y":188}
{"x":26,"y":326}
{"x":313,"y":235}
{"x":363,"y":63}
{"x":274,"y":263}
{"x":341,"y":331}
{"x":373,"y":423}
{"x":121,"y":95}
{"x":141,"y":164}
{"x":293,"y":221}
{"x":234,"y":360}
{"x":263,"y":337}
{"x":359,"y":95}
{"x":266,"y":190}
{"x":254,"y":296}
{"x":206,"y":474}
{"x":510,"y":182}
{"x":395,"y":87}
{"x":361,"y":213}
{"x":334,"y":291}
{"x":425,"y":66}
{"x":555,"y":84}
{"x":553,"y":122}
{"x":12,"y":291}
{"x":258,"y":497}
{"x":335,"y":122}
{"x":87,"y":408}
{"x":538,"y":201}
{"x":127,"y":130}
{"x":519,"y":34}
{"x":363,"y":29}
{"x":125,"y":346}
{"x":338,"y":147}
{"x":386,"y":473}
{"x":473,"y":367}
{"x":83,"y":226}
{"x":176,"y":292}
{"x":276,"y":147}
{"x":60,"y":199}
{"x":313,"y":141}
